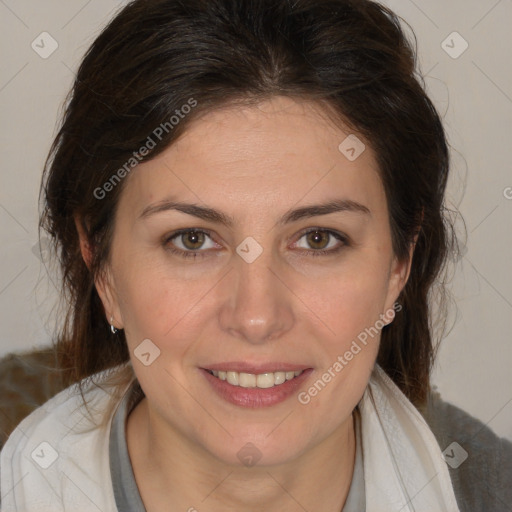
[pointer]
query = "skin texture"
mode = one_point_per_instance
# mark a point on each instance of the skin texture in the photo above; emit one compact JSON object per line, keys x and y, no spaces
{"x":254,"y":164}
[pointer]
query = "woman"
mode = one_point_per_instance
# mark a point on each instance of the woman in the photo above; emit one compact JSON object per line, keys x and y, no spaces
{"x":247,"y":202}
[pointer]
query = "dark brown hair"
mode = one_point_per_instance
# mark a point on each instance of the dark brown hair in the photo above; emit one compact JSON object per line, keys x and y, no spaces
{"x":156,"y":56}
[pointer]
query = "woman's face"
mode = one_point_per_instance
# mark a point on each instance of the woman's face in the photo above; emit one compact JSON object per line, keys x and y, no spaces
{"x":255,"y":244}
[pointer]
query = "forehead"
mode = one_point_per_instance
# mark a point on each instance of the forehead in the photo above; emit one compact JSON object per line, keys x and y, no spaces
{"x":271,"y":155}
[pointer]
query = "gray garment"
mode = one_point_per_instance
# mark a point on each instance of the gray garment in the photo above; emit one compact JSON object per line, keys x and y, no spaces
{"x":483,"y":482}
{"x":125,"y":488}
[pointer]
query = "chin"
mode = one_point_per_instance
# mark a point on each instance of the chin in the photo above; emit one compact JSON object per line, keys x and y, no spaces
{"x":258,"y":450}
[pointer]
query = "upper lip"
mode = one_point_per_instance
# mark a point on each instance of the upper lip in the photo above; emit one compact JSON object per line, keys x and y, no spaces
{"x":256,"y":369}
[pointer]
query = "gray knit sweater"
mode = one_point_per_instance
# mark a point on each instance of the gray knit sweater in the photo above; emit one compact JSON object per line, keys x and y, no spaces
{"x":483,"y":482}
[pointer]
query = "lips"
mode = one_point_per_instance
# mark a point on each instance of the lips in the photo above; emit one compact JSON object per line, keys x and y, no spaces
{"x":253,"y":386}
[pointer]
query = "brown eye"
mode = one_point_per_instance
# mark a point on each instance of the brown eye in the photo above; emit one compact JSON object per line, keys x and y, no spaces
{"x":318,"y":239}
{"x":192,"y":240}
{"x":191,"y":243}
{"x":321,"y":241}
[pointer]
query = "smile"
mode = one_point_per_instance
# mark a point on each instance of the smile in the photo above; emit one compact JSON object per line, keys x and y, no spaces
{"x":251,"y":380}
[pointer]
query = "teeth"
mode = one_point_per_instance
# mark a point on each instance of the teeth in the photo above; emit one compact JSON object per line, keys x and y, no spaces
{"x":232,"y":378}
{"x":250,"y":380}
{"x":279,"y":377}
{"x":265,"y":380}
{"x":247,"y":380}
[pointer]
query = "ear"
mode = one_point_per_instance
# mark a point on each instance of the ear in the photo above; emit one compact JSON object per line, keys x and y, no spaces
{"x":103,"y":281}
{"x":85,"y":244}
{"x":398,"y":276}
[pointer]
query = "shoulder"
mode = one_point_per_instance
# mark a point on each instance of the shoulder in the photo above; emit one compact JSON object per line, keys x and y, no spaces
{"x":59,"y":453}
{"x":27,"y":380}
{"x":479,"y":461}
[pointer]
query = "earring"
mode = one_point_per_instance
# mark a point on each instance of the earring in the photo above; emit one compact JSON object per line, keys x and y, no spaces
{"x":112,"y":328}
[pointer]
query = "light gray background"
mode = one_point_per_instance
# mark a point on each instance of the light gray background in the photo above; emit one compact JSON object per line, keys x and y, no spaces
{"x":473,"y":93}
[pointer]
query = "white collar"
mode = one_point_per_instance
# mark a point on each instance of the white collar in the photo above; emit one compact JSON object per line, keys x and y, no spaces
{"x":403,"y":465}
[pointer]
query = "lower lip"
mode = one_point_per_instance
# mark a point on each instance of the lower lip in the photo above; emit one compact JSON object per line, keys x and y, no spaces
{"x":256,"y":397}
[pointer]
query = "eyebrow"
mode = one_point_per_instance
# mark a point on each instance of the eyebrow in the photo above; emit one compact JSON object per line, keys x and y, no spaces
{"x":216,"y":216}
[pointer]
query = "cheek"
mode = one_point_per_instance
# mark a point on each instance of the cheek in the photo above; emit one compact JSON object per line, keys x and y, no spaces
{"x":155,"y":305}
{"x":350,"y":305}
{"x":350,"y":302}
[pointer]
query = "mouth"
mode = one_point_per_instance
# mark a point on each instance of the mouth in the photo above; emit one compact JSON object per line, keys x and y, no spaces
{"x":255,"y":386}
{"x":251,"y":380}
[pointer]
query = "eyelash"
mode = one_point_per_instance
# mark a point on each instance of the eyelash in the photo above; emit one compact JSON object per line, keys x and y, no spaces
{"x":201,"y":254}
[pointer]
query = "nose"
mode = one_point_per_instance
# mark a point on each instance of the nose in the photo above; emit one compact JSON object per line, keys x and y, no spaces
{"x":257,"y":306}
